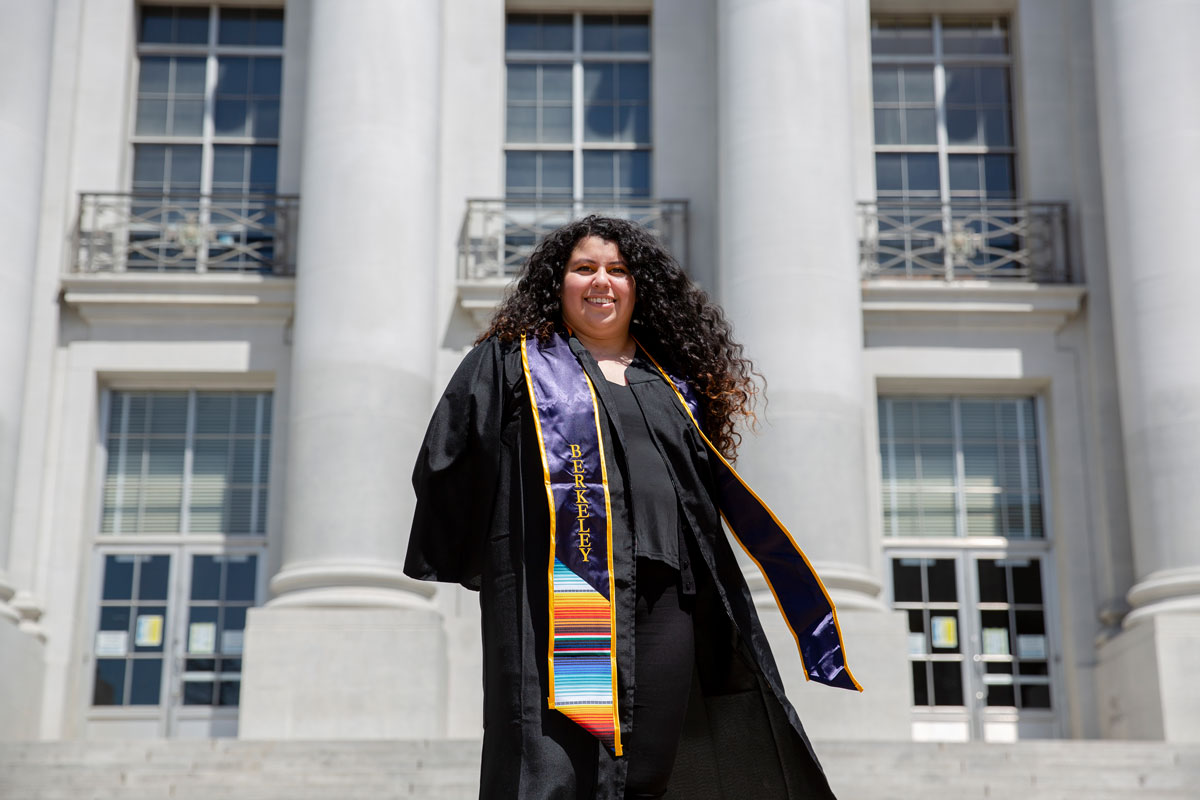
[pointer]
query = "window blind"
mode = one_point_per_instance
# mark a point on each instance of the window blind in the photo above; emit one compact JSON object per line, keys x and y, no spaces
{"x":187,"y":462}
{"x":960,"y":467}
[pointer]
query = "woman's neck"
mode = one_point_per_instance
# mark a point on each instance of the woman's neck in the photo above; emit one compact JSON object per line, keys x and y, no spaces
{"x":615,"y":349}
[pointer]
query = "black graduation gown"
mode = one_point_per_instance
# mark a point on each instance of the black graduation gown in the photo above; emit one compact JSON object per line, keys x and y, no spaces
{"x":481,"y":520}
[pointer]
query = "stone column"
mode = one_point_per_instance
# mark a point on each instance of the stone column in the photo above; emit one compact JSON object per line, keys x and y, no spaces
{"x":348,"y":647}
{"x":789,"y":282}
{"x":26,"y":43}
{"x":1150,"y":152}
{"x":26,"y":39}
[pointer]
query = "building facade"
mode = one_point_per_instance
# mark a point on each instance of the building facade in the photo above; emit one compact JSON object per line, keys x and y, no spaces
{"x":246,"y":244}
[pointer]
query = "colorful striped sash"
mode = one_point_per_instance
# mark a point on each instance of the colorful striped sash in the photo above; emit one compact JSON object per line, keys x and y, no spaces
{"x":582,"y":652}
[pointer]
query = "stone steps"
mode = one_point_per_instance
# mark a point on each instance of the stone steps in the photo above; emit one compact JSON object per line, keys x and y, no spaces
{"x":229,"y":769}
{"x":1032,"y":770}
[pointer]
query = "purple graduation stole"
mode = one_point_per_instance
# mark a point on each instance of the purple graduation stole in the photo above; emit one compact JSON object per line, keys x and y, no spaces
{"x":582,"y":657}
{"x":583,"y":616}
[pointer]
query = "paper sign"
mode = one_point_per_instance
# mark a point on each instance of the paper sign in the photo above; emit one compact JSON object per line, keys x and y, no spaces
{"x":1031,"y":646}
{"x":149,"y":630}
{"x":202,"y":638}
{"x":945,"y":631}
{"x":112,"y":643}
{"x":995,"y":642}
{"x":231,"y":643}
{"x":916,"y":644}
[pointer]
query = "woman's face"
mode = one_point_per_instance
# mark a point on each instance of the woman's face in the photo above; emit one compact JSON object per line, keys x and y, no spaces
{"x":598,"y":291}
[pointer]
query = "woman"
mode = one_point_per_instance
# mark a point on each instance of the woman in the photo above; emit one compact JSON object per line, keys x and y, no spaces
{"x":578,"y":484}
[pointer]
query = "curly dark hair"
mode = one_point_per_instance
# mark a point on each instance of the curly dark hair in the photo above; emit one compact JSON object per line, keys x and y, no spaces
{"x":672,"y":318}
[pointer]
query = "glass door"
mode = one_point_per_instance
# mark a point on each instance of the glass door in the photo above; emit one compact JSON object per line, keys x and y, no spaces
{"x":129,"y":645}
{"x":167,"y":643}
{"x":218,"y":590}
{"x":1014,"y":659}
{"x":980,"y":648}
{"x":928,"y":588}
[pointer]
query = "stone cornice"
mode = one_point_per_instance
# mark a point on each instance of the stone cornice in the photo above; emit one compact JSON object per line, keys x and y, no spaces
{"x":480,"y":298}
{"x":890,"y":304}
{"x":189,"y":297}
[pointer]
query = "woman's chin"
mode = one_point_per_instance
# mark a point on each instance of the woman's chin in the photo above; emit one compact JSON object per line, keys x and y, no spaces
{"x":600,"y":323}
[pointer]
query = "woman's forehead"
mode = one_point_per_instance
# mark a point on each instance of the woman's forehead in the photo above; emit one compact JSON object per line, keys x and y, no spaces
{"x":596,"y":248}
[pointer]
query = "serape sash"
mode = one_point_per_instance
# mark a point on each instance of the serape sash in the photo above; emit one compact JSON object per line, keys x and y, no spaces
{"x":582,"y":653}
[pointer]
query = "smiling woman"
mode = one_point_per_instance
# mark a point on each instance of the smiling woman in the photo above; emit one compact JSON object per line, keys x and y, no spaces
{"x":672,"y":318}
{"x":598,"y":297}
{"x":596,"y":478}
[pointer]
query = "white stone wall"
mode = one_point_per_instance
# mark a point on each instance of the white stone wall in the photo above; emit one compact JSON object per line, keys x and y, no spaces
{"x":732,"y":140}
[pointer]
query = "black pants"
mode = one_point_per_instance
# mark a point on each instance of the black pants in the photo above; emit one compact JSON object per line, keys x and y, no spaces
{"x":664,"y":644}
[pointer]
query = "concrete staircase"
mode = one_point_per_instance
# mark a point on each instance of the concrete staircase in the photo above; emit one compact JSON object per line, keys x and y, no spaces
{"x":1030,"y":770}
{"x":227,"y":769}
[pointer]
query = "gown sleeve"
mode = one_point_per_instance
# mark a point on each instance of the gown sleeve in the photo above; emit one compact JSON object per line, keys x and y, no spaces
{"x":456,"y":473}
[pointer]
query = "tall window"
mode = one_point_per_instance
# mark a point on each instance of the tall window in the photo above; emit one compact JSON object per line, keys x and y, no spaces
{"x":206,"y":123}
{"x":578,"y":107}
{"x":181,"y":544}
{"x":208,"y":99}
{"x":944,"y":150}
{"x":968,"y":552}
{"x":943,"y":108}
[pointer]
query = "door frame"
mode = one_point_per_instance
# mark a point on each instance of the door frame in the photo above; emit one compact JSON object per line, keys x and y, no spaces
{"x":164,"y":719}
{"x":979,"y":722}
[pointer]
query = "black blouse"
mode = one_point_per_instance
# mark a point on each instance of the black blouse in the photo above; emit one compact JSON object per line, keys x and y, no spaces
{"x":648,"y":490}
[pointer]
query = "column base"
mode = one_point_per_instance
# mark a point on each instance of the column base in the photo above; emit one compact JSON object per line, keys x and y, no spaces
{"x":350,"y":584}
{"x":21,"y":687}
{"x":851,"y":588}
{"x":1146,"y":678}
{"x":343,"y":673}
{"x":1165,"y":591}
{"x":876,"y":651}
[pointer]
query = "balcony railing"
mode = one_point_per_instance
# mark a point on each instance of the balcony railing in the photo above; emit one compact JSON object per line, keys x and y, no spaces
{"x":989,"y":240}
{"x":237,"y":233}
{"x":498,"y":235}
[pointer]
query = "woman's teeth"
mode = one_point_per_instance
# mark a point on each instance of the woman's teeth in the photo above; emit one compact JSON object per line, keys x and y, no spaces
{"x":600,"y":301}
